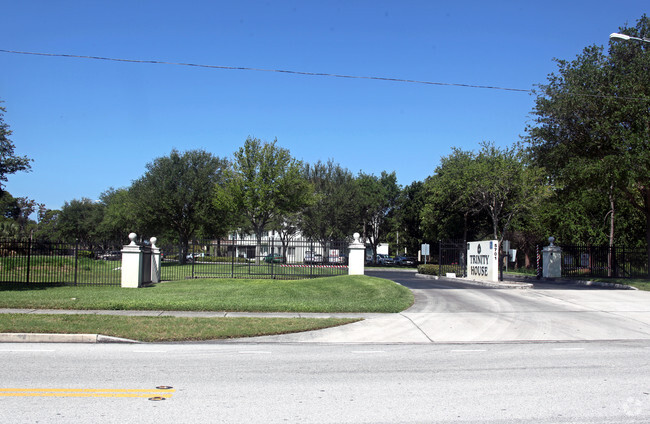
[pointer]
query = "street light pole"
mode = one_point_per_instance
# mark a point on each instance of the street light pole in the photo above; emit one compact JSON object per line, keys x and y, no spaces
{"x":625,"y":37}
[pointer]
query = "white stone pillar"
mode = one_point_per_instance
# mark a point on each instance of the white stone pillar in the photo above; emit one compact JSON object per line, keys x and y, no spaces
{"x":155,"y":261}
{"x":357,"y":257}
{"x":552,"y":260}
{"x":132,"y":258}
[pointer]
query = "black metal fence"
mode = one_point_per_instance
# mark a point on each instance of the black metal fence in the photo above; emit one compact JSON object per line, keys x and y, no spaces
{"x":246,"y":258}
{"x":604,"y":261}
{"x":39,"y":262}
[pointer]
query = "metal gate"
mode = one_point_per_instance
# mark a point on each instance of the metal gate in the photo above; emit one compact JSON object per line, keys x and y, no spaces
{"x":452,"y":257}
{"x":245,"y":258}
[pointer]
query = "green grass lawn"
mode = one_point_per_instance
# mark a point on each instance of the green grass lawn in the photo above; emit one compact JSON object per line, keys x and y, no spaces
{"x":327,"y":294}
{"x":60,"y":269}
{"x":639,"y":283}
{"x":161,"y":329}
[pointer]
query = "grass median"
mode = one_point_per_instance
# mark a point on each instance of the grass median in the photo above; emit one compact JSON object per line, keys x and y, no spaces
{"x":162,"y":329}
{"x":329,"y":294}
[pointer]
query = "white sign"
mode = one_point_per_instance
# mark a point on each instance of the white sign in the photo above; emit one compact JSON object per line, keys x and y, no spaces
{"x":425,"y":249}
{"x":483,"y":260}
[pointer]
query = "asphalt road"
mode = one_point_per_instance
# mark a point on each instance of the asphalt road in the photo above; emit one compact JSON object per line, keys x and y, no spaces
{"x":587,"y":382}
{"x":461,"y":354}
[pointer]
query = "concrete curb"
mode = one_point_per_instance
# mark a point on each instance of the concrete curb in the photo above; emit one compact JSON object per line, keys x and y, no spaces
{"x":604,"y":284}
{"x":588,"y":283}
{"x":60,"y":338}
{"x":490,"y":284}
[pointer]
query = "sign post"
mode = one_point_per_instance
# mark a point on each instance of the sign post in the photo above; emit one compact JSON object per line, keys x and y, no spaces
{"x":425,"y":252}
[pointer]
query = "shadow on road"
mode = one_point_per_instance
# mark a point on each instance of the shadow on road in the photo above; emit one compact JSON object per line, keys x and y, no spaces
{"x":409,"y":280}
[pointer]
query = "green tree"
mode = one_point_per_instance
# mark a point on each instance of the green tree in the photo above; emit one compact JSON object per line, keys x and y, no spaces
{"x":79,"y":220}
{"x":120,"y":217}
{"x":449,"y":205}
{"x":9,"y":206}
{"x":377,"y":200}
{"x":495,"y":182}
{"x":592,"y":129}
{"x":288,"y":229}
{"x":9,"y":230}
{"x":332,"y":215}
{"x":505,"y":186}
{"x":265,"y":185}
{"x":48,"y":224}
{"x":174,"y":197}
{"x":19,"y":210}
{"x":10,"y":163}
{"x":409,"y":234}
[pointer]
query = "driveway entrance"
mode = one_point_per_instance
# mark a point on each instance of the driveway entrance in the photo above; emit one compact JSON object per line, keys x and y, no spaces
{"x":453,"y":311}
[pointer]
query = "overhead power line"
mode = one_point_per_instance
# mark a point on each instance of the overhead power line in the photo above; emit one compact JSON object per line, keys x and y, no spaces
{"x":314,"y":74}
{"x":282,"y":71}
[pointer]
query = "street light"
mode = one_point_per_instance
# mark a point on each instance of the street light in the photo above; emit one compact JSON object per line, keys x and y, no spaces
{"x":628,"y":37}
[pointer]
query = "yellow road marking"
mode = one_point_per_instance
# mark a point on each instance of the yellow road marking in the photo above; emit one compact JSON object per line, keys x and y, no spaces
{"x":133,"y":393}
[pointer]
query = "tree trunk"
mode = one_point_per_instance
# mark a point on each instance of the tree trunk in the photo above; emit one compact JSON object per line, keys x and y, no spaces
{"x":610,"y":259}
{"x":647,"y":229}
{"x":258,"y":247}
{"x":465,"y":219}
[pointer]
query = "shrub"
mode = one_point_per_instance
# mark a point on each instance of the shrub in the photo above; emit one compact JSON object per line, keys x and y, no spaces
{"x":435,"y":269}
{"x":84,"y":254}
{"x":428,"y":269}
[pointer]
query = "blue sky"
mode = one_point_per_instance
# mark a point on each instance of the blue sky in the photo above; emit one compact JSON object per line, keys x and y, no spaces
{"x":91,"y":124}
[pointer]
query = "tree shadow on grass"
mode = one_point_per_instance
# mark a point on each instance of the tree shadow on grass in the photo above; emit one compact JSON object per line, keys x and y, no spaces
{"x":28,"y":287}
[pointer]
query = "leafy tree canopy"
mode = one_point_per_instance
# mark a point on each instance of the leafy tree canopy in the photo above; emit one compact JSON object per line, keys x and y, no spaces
{"x":10,"y":163}
{"x":377,"y":199}
{"x":174,"y":196}
{"x":264,"y":184}
{"x":332,"y":215}
{"x":592,"y":126}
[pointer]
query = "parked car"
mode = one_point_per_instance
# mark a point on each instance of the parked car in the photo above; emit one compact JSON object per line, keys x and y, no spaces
{"x":313,"y":258}
{"x":405,"y":261}
{"x":339,"y":259}
{"x":114,"y":255}
{"x":275,"y":258}
{"x":382,"y":259}
{"x":191,"y":257}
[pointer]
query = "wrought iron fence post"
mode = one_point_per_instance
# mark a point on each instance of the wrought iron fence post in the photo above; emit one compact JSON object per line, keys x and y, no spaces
{"x":76,"y":260}
{"x":272,"y":256}
{"x":439,"y":258}
{"x":463,"y":257}
{"x":234,"y":252}
{"x":500,"y":259}
{"x":29,"y":258}
{"x":193,"y":258}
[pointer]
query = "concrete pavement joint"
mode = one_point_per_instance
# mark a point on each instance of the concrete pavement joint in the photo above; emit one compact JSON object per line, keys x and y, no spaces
{"x":418,"y":327}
